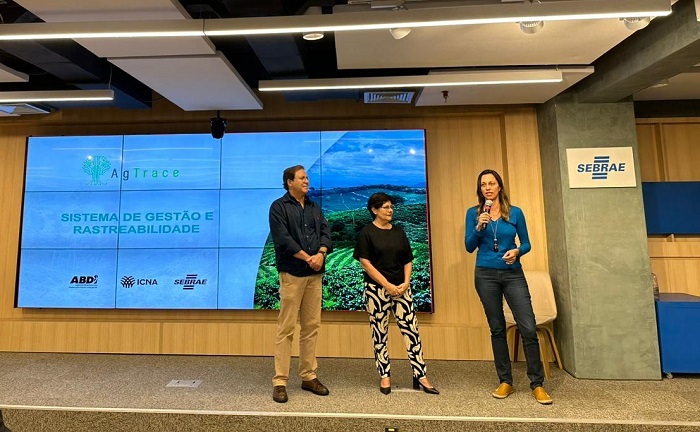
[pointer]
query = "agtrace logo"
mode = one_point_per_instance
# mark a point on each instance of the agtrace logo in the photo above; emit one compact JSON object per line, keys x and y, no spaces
{"x":190,"y":281}
{"x":147,"y":174}
{"x":96,"y":166}
{"x":130,"y":281}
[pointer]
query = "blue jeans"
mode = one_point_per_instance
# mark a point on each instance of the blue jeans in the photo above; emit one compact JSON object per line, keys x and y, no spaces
{"x":492,"y":285}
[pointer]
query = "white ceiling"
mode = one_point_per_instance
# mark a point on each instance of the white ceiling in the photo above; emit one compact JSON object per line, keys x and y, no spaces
{"x":122,"y":10}
{"x":502,"y":94}
{"x":558,"y":43}
{"x":189,"y":73}
{"x":683,"y":86}
{"x":197,"y":83}
{"x":481,"y":46}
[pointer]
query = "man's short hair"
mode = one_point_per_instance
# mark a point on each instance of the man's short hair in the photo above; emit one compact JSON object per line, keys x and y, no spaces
{"x":289,"y":174}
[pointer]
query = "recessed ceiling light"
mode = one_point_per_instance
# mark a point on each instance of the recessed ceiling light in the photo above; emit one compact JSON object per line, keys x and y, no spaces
{"x":312,"y":36}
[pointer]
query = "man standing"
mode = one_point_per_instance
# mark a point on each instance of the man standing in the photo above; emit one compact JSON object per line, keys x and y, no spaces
{"x":302,"y":239}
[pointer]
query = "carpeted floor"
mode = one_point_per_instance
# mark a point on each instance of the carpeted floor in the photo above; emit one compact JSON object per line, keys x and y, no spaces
{"x":242,"y":385}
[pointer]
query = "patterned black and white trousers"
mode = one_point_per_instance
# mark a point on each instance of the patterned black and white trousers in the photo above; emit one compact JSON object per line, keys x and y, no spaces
{"x":378,"y":304}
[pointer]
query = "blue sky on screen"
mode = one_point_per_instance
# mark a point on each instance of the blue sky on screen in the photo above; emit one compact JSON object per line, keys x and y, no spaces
{"x":153,"y":160}
{"x":51,"y":278}
{"x":257,"y":160}
{"x":375,"y":157}
{"x":56,"y":163}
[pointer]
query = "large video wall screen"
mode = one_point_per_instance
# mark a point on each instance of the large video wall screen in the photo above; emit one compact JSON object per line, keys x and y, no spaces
{"x":181,"y":221}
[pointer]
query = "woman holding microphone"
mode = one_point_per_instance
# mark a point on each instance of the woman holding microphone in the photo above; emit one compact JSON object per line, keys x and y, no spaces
{"x":492,"y":226}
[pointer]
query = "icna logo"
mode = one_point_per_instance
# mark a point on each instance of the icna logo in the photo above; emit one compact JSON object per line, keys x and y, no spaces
{"x":190,"y":281}
{"x":600,"y":167}
{"x":128,"y":281}
{"x":95,"y":167}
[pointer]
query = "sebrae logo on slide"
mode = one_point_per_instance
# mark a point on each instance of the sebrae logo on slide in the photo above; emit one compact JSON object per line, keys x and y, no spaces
{"x":601,"y":167}
{"x":130,"y":281}
{"x":96,"y":166}
{"x":190,"y":281}
{"x":80,"y":281}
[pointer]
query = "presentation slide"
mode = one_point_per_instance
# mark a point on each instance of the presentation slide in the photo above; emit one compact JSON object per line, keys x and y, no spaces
{"x":182,"y":221}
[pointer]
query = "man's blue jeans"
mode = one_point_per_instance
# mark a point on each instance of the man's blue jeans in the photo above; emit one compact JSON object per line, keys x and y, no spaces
{"x":493,"y":285}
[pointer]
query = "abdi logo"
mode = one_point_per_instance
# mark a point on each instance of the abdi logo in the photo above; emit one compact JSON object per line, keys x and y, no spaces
{"x":600,"y":167}
{"x":84,"y":280}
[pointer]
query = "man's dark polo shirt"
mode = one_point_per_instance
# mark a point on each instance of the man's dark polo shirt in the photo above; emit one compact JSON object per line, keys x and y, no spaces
{"x":294,"y":228}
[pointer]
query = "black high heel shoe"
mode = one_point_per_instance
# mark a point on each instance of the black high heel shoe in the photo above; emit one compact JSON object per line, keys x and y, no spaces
{"x":419,"y":385}
{"x":384,"y":390}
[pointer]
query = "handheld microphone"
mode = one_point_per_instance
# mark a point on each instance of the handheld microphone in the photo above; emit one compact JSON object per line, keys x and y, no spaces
{"x":487,"y":209}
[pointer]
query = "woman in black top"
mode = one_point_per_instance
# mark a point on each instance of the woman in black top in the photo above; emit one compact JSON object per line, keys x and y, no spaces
{"x":385,"y":254}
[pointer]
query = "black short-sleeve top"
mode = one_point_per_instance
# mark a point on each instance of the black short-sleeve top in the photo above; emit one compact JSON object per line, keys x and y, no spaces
{"x":387,"y":249}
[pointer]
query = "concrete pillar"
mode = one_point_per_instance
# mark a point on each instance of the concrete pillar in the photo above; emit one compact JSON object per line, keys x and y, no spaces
{"x":597,"y":248}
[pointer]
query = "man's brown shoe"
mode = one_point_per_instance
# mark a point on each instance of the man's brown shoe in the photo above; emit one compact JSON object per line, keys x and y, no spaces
{"x":541,"y":396}
{"x":279,"y":394}
{"x":315,"y":387}
{"x":503,"y":391}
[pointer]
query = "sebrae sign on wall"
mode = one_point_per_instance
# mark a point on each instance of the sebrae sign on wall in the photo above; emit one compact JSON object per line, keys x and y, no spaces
{"x":601,"y":167}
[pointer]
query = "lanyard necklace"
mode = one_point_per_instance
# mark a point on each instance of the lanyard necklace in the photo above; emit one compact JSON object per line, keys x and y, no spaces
{"x":495,"y":234}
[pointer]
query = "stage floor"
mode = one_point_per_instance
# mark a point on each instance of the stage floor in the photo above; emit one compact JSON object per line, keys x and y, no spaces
{"x":242,"y":386}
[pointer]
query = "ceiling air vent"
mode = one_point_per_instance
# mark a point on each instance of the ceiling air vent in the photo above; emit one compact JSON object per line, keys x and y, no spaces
{"x":389,"y":97}
{"x":18,"y":109}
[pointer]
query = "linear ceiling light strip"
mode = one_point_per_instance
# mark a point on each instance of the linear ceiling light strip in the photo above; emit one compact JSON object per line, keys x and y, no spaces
{"x":464,"y":15}
{"x":352,"y":21}
{"x":102,"y":30}
{"x":449,"y":79}
{"x":56,"y":96}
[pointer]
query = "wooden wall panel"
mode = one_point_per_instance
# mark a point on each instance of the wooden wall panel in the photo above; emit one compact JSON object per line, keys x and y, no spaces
{"x":681,"y":147}
{"x":12,"y":148}
{"x":650,"y":154}
{"x":80,"y":336}
{"x":471,"y":145}
{"x":525,"y":183}
{"x":677,"y":275}
{"x":460,"y":143}
{"x":670,"y":151}
{"x":676,"y":264}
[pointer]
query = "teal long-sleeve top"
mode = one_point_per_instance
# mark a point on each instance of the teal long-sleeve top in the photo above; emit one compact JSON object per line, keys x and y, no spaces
{"x":504,"y":231}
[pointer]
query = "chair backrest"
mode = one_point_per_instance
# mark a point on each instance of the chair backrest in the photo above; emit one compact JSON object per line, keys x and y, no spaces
{"x":542,"y":294}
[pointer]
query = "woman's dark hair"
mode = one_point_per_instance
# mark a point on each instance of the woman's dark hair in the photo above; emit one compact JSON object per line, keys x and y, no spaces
{"x":376,"y":201}
{"x":502,"y":195}
{"x":289,"y":174}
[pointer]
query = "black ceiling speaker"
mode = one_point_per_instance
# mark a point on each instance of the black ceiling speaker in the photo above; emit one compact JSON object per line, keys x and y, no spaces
{"x":218,"y":126}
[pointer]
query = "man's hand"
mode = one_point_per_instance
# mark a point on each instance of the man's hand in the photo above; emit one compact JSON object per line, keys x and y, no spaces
{"x":316,"y":261}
